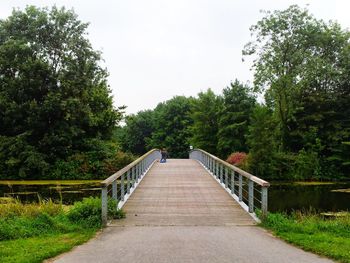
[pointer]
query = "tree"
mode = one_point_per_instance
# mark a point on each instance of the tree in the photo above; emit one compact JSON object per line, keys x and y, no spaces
{"x":205,"y":121}
{"x":137,"y":132}
{"x":237,"y":106}
{"x":303,"y":64}
{"x":172,"y":126}
{"x":54,"y":96}
{"x":283,"y":46}
{"x":261,"y":142}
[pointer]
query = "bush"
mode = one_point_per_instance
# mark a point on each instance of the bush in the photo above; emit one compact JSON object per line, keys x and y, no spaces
{"x":89,"y":211}
{"x":101,"y":161}
{"x":307,"y":166}
{"x":239,"y":159}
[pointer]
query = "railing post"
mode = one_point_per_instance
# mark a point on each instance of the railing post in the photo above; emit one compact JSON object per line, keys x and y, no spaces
{"x":128,"y":182}
{"x":139,"y":170}
{"x":104,"y":205}
{"x":264,"y":201}
{"x":122,"y":187}
{"x":226,"y":177}
{"x":233,"y":182}
{"x":240,"y":186}
{"x":115,"y":191}
{"x":221,"y":174}
{"x":251,"y":196}
{"x":133,"y":177}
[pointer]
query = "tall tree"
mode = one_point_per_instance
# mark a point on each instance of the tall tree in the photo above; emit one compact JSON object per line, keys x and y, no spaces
{"x":137,"y":132}
{"x":205,"y":121}
{"x":54,"y":96}
{"x":261,"y":141}
{"x":172,"y":126}
{"x":303,"y":64}
{"x":282,"y":45}
{"x":234,"y":115}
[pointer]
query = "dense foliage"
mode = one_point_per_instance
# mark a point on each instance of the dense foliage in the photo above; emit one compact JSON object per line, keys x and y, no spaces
{"x":303,"y":67}
{"x":167,"y":126}
{"x":56,"y":111}
{"x":301,"y":131}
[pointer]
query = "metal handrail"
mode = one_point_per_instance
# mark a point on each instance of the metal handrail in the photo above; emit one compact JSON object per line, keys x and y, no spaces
{"x":129,"y":178}
{"x":228,"y":180}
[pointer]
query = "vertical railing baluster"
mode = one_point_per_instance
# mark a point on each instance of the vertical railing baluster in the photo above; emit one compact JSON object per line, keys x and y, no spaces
{"x":128,"y":182}
{"x":138,"y":172}
{"x":226,"y":177}
{"x":122,"y":187}
{"x":221,"y":174}
{"x":233,"y":182}
{"x":251,"y":196}
{"x":133,"y":176}
{"x":104,"y":205}
{"x":264,"y":201}
{"x":240,"y":186}
{"x":115,"y":191}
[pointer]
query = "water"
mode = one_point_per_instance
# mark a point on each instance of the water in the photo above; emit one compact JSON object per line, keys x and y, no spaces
{"x":66,"y":191}
{"x":283,"y":197}
{"x":323,"y":197}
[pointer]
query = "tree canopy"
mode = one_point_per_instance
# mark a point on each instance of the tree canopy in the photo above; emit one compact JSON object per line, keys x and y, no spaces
{"x":54,"y":97}
{"x":302,"y":130}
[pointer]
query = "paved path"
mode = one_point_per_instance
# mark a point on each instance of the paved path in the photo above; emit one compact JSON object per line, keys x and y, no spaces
{"x":179,"y":213}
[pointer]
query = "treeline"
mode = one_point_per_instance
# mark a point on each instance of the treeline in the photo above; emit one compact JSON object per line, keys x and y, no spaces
{"x":57,"y":118}
{"x":56,"y":113}
{"x":301,"y":131}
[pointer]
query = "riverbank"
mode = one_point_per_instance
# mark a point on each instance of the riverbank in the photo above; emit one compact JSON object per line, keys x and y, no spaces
{"x":34,"y":232}
{"x":329,"y":237}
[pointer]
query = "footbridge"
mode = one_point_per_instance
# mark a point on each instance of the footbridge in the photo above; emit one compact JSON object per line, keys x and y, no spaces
{"x":201,"y":190}
{"x":200,"y":209}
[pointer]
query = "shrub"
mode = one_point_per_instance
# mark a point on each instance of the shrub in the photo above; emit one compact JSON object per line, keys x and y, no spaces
{"x":238,"y":159}
{"x":89,"y":211}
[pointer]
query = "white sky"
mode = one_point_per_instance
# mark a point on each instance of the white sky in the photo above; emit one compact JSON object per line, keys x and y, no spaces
{"x":156,"y":49}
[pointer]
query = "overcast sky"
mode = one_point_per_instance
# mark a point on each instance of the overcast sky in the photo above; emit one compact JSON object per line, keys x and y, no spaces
{"x":154,"y":50}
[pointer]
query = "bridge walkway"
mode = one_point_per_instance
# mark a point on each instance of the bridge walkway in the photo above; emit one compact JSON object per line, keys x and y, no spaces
{"x":181,"y":192}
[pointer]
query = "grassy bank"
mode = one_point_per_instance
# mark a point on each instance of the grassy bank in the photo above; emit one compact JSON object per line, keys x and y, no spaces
{"x":34,"y":232}
{"x":311,"y":232}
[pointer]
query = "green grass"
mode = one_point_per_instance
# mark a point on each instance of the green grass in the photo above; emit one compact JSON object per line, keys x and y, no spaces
{"x":311,"y":232}
{"x":34,"y":232}
{"x":36,"y":249}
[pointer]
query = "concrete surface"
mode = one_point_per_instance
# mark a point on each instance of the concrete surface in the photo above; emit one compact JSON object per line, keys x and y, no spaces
{"x":181,"y":244}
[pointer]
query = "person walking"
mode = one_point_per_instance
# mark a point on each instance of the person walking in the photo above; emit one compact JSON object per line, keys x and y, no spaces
{"x":164,"y":154}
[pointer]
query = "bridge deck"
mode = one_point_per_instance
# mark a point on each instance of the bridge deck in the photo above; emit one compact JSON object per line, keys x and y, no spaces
{"x":181,"y":192}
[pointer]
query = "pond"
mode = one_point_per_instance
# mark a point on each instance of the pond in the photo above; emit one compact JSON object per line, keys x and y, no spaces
{"x":65,"y":191}
{"x":282,"y":196}
{"x":321,"y":196}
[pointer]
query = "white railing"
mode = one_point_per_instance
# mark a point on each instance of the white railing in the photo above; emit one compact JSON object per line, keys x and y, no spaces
{"x":121,"y":184}
{"x":249,"y":190}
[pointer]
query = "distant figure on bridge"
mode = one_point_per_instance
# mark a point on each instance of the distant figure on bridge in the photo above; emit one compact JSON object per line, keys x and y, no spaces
{"x":164,"y":154}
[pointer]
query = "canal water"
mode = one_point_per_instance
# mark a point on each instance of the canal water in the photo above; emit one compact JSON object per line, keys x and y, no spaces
{"x":283,"y":197}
